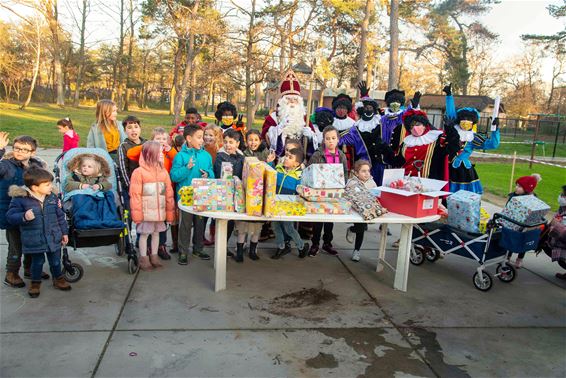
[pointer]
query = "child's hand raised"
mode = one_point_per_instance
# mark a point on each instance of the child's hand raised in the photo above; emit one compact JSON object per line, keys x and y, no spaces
{"x":203,"y":173}
{"x":29,"y":215}
{"x":4,"y":140}
{"x":191,"y":164}
{"x":271,"y":156}
{"x":95,"y":187}
{"x":65,"y":240}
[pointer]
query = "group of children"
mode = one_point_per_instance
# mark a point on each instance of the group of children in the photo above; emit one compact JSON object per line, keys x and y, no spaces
{"x":151,"y":174}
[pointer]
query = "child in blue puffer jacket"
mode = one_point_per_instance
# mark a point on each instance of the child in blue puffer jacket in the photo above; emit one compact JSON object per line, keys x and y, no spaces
{"x":288,"y":177}
{"x":42,"y":224}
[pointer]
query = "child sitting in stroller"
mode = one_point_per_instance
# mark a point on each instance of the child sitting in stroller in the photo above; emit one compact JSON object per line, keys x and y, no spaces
{"x":88,"y":171}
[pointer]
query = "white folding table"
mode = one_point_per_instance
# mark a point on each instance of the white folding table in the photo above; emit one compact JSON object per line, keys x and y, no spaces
{"x":401,"y":270}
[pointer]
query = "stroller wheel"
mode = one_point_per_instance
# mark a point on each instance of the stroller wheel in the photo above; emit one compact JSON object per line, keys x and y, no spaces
{"x":74,"y":274}
{"x":505,"y":273}
{"x":431,"y":254}
{"x":133,"y":265}
{"x":120,"y":247}
{"x":482,"y":284}
{"x":417,"y":255}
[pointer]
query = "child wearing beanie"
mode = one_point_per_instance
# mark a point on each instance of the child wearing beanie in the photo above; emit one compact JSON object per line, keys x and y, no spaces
{"x":524,"y":186}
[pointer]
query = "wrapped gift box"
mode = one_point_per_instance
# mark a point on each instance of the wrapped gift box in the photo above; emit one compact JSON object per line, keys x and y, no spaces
{"x":324,"y":176}
{"x":289,"y":205}
{"x":213,"y":195}
{"x":408,"y":203}
{"x":524,"y":209}
{"x":253,"y":186}
{"x":319,"y":195}
{"x":336,"y":207}
{"x":186,"y":195}
{"x":269,"y":190}
{"x":226,"y":171}
{"x":464,"y":211}
{"x":239,"y":196}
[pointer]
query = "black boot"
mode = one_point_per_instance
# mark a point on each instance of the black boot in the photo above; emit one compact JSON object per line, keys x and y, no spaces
{"x":239,"y":252}
{"x":253,"y":254}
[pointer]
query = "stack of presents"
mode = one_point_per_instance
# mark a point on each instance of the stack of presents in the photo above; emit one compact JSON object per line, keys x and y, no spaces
{"x":322,"y":192}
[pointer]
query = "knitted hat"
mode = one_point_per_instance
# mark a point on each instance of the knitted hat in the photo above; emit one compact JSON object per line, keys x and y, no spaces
{"x":290,"y":84}
{"x":529,"y":183}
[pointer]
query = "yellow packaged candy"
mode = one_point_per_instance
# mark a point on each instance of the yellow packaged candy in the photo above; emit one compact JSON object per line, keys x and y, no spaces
{"x":291,"y":208}
{"x":269,"y":189}
{"x":484,"y":218}
{"x":186,"y":195}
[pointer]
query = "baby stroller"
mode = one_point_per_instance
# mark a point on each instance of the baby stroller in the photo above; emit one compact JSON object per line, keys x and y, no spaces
{"x":433,"y":240}
{"x":120,"y":237}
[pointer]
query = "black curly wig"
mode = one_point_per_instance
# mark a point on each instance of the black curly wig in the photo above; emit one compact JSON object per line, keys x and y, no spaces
{"x":468,"y":115}
{"x":223,"y":106}
{"x":395,"y":95}
{"x":342,"y":100}
{"x":372,"y":103}
{"x":323,"y":118}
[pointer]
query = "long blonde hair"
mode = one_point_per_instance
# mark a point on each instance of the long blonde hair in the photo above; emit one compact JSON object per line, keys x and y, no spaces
{"x":103,"y":112}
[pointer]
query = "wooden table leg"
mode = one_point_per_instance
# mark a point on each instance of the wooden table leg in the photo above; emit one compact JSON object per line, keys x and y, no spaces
{"x":402,"y":271}
{"x":382,"y":246}
{"x":220,"y":255}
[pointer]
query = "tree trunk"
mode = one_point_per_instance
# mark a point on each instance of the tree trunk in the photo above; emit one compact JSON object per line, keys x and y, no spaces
{"x":51,"y":15}
{"x":130,"y":52}
{"x":81,"y":54}
{"x":36,"y":66}
{"x":363,"y":42}
{"x":119,"y":67}
{"x":249,"y":57}
{"x":181,"y":94}
{"x":176,"y":69}
{"x":393,"y":80}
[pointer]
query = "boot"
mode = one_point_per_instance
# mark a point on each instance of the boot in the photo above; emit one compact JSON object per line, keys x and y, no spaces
{"x":13,"y":280}
{"x":27,"y":274}
{"x":154,"y":260}
{"x":253,"y":253}
{"x":145,"y":264}
{"x":162,"y":253}
{"x":34,"y":289}
{"x":61,"y":284}
{"x":239,"y":252}
{"x":175,"y":237}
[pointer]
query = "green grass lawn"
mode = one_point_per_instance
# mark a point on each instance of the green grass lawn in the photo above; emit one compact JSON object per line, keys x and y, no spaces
{"x":495,"y":178}
{"x":39,"y":121}
{"x":524,"y":148}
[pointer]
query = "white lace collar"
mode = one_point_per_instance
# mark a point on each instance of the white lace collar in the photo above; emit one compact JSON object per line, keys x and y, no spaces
{"x":367,"y":126}
{"x":391,"y":114}
{"x":343,"y":124}
{"x":465,"y":136}
{"x":428,"y":138}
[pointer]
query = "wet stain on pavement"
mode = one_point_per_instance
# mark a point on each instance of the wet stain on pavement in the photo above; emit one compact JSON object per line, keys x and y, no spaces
{"x":322,"y":361}
{"x":390,"y":358}
{"x":300,"y":303}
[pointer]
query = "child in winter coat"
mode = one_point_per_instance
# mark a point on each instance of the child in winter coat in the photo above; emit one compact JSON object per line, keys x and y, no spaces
{"x":213,"y":139}
{"x":329,"y":153}
{"x":38,"y":214}
{"x":288,"y":177}
{"x":126,"y":166}
{"x":358,"y":186}
{"x":70,"y":137}
{"x":257,"y":148}
{"x":159,"y":134}
{"x":88,"y":171}
{"x":152,"y":202}
{"x":12,"y":168}
{"x":523,"y":187}
{"x":192,"y":162}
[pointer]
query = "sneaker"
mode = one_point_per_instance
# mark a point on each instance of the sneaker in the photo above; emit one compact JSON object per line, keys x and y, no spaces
{"x":356,"y":256}
{"x":313,"y":250}
{"x":280,"y":253}
{"x":349,"y":235}
{"x":201,"y":255}
{"x":328,"y":248}
{"x":183,"y":259}
{"x":303,"y":252}
{"x":162,"y":253}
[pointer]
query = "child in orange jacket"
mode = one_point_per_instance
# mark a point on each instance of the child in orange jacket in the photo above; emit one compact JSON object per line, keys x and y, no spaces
{"x":152,"y":202}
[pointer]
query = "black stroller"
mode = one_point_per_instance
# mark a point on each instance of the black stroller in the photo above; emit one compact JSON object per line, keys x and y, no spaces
{"x":84,"y":238}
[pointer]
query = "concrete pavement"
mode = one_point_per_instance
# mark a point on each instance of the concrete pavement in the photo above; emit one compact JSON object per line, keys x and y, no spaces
{"x":316,"y":317}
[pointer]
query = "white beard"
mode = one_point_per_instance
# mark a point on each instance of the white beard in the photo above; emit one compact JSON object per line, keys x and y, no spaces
{"x":292,"y":119}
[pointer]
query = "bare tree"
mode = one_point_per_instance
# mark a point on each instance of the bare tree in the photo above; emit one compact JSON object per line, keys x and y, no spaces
{"x":130,"y":58}
{"x":85,"y":9}
{"x":393,"y":80}
{"x":364,"y":38}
